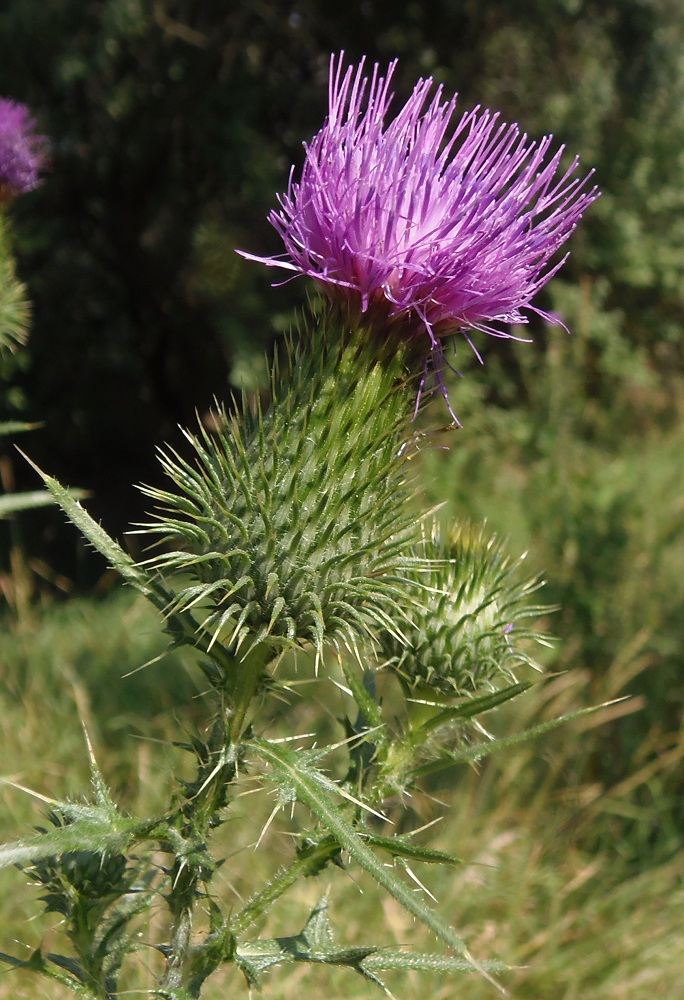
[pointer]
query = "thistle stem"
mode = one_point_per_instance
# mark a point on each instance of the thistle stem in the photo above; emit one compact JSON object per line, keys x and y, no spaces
{"x":204,"y":798}
{"x":181,"y":901}
{"x":242,"y":683}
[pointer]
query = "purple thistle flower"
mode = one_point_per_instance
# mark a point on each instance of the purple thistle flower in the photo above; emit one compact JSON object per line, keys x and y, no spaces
{"x":431,"y":227}
{"x":23,"y":154}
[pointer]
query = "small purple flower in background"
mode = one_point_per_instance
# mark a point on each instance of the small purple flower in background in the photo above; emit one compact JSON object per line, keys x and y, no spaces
{"x":431,"y":227}
{"x":23,"y":154}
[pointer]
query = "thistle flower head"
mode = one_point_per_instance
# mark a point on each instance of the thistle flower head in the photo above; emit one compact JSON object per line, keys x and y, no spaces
{"x":429,"y":223}
{"x":22,"y":151}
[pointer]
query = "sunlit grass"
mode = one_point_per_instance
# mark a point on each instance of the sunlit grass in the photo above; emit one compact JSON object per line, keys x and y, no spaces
{"x":570,"y":923}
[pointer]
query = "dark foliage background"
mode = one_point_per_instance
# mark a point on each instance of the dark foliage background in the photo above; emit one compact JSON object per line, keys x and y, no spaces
{"x":174,"y":125}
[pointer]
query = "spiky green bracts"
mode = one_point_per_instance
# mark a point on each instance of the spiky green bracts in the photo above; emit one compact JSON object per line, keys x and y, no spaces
{"x":293,"y":523}
{"x":469,"y":628}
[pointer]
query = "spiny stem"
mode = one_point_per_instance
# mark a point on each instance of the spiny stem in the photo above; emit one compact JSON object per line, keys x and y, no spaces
{"x":181,"y":902}
{"x":204,"y":799}
{"x":241,"y":685}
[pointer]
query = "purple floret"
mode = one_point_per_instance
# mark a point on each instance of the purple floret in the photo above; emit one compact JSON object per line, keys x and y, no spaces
{"x":23,"y":153}
{"x":428,"y":223}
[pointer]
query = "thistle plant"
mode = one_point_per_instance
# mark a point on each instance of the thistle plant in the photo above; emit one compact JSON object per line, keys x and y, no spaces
{"x":23,"y":152}
{"x":297,"y":525}
{"x":22,"y":158}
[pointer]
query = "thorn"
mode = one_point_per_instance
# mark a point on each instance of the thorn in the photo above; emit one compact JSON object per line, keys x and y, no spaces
{"x":179,"y":873}
{"x":412,"y":875}
{"x":425,"y":826}
{"x":342,"y":687}
{"x":358,"y":802}
{"x":211,"y":776}
{"x":267,"y":824}
{"x":149,"y":663}
{"x":29,"y":791}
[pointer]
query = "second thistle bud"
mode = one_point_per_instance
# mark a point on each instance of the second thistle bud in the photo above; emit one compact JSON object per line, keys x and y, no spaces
{"x":22,"y":150}
{"x":469,"y":629}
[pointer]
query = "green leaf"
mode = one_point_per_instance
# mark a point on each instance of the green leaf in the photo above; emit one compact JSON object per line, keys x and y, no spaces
{"x":314,"y":944}
{"x":383,"y":960}
{"x":313,"y":789}
{"x":401,"y":847}
{"x":37,"y":963}
{"x":96,"y":534}
{"x":114,"y":943}
{"x":471,"y":707}
{"x":181,"y":625}
{"x":90,"y":829}
{"x":471,"y":754}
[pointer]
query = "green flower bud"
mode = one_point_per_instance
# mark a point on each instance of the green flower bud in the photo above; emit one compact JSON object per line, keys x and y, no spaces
{"x":474,"y":606}
{"x":294,"y":523}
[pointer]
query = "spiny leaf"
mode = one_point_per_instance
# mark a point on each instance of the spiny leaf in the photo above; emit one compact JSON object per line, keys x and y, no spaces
{"x":37,"y":963}
{"x":470,"y":708}
{"x":96,"y":534}
{"x":180,"y":624}
{"x":471,"y":754}
{"x":401,"y":847}
{"x":290,"y":769}
{"x":314,"y":944}
{"x":386,"y":959}
{"x":48,"y":845}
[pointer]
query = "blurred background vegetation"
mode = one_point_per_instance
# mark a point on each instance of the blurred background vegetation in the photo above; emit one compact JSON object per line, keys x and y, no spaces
{"x":174,"y":124}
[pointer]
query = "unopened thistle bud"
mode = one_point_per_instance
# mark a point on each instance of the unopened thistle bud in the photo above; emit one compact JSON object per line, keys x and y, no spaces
{"x":469,"y":632}
{"x":293,"y":523}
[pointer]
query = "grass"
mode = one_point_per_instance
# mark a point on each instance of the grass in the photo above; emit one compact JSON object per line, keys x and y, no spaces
{"x":75,"y":664}
{"x":597,"y":501}
{"x":572,"y":922}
